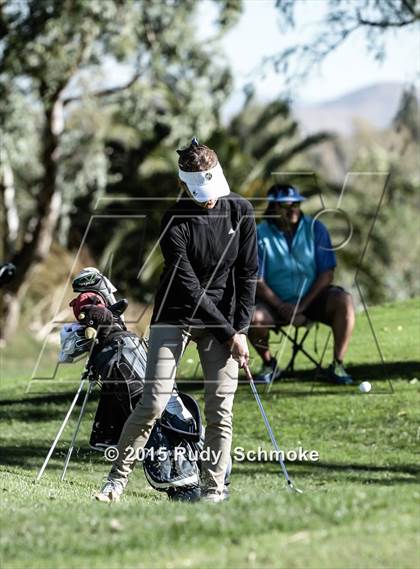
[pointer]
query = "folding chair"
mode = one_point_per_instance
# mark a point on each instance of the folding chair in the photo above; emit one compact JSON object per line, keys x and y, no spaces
{"x":297,"y":341}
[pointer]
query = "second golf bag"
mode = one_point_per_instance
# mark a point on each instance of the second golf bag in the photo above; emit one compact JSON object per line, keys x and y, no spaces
{"x":177,"y":437}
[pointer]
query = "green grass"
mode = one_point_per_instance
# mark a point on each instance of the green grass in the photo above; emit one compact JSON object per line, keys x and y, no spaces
{"x":359,"y":508}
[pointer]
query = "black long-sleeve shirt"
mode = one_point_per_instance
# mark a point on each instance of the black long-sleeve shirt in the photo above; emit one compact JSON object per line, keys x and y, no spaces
{"x":211,"y":265}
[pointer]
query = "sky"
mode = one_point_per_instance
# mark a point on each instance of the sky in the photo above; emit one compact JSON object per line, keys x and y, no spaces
{"x":257,"y":35}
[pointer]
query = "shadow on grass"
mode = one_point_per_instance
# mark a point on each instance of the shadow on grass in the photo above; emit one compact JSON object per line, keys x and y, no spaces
{"x":43,"y":408}
{"x":30,"y":407}
{"x":361,"y":372}
{"x":380,"y":374}
{"x":32,"y":456}
{"x":317,"y":384}
{"x":328,"y":471}
{"x":365,"y":371}
{"x":57,"y":398}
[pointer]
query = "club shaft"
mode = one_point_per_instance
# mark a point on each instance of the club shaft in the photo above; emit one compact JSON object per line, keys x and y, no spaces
{"x":267,"y":424}
{"x":76,"y":431}
{"x":61,"y":429}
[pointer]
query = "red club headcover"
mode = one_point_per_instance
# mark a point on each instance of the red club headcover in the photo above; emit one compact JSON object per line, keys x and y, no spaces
{"x":85,"y":298}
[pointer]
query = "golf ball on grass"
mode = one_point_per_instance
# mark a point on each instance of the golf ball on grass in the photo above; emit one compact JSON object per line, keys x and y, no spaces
{"x":365,"y":387}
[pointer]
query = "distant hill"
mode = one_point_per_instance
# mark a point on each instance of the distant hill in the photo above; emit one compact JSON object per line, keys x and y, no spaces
{"x":376,"y":104}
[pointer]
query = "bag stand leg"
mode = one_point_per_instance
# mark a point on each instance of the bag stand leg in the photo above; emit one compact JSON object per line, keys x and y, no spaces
{"x":60,"y":431}
{"x":76,"y":431}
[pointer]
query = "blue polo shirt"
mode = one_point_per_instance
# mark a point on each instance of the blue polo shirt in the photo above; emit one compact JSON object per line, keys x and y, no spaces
{"x":290,"y":265}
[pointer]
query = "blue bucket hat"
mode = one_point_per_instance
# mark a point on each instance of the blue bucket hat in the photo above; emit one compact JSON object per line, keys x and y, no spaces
{"x":284,"y":194}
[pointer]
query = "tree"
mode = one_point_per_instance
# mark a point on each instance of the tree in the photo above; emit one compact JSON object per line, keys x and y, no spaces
{"x":373,"y":18}
{"x":51,"y":52}
{"x":408,"y":115}
{"x":259,"y":141}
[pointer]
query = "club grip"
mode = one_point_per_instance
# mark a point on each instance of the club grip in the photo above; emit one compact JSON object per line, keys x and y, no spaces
{"x":247,"y":372}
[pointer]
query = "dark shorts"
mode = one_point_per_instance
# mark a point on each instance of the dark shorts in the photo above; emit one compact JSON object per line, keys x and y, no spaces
{"x":316,"y":311}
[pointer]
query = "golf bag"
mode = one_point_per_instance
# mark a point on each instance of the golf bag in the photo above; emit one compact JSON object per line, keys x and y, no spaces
{"x":117,"y":357}
{"x":117,"y":362}
{"x":171,"y":462}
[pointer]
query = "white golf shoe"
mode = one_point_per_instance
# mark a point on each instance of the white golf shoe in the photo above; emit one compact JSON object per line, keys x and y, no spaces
{"x":111,"y":491}
{"x":215,"y":497}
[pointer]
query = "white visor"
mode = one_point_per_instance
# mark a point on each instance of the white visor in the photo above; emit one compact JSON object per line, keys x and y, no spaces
{"x":207,"y":185}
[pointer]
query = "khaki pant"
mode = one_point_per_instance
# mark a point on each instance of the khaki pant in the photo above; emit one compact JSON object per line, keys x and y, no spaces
{"x":167,"y":344}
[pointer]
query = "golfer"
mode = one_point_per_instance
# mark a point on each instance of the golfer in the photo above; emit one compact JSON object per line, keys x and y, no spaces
{"x":206,"y":295}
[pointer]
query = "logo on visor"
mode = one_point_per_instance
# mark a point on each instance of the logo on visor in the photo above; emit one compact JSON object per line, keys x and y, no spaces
{"x":208,"y":176}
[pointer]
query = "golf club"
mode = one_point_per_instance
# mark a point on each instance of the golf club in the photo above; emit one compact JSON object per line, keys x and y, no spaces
{"x":290,"y":484}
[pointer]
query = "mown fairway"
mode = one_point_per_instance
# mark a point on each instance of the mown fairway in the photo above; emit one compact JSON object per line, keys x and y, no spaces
{"x":360,"y":506}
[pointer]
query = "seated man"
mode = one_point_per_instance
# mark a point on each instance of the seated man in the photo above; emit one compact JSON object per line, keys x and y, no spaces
{"x":296,"y":270}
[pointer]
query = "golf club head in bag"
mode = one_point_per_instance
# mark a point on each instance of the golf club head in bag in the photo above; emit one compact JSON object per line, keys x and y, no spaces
{"x":90,"y":310}
{"x":91,"y":280}
{"x":86,"y":299}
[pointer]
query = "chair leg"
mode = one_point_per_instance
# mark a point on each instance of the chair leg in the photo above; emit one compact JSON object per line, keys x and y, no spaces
{"x":319,"y":364}
{"x":297,"y":346}
{"x":290,"y":364}
{"x":295,"y":351}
